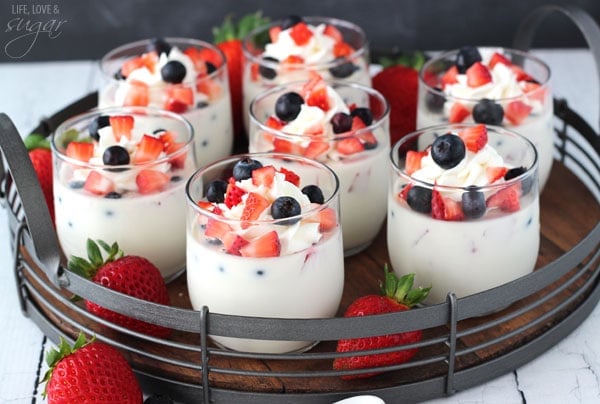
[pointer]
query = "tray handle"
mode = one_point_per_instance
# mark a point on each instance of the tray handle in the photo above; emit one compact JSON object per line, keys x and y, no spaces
{"x":39,"y":237}
{"x":526,"y":30}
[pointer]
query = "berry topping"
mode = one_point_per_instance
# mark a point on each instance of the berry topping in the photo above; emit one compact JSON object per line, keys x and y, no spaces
{"x":267,"y":245}
{"x":349,"y":145}
{"x":290,"y":176}
{"x":242,"y":169}
{"x":315,"y":149}
{"x":474,"y":137}
{"x":216,"y":229}
{"x":138,"y":94}
{"x":173,"y":72}
{"x":96,"y":124}
{"x":413,"y":160}
{"x":364,"y":114}
{"x":301,"y":34}
{"x":517,"y":111}
{"x":290,"y":21}
{"x":493,"y":174}
{"x":506,"y":199}
{"x":458,"y":113}
{"x":288,"y":105}
{"x":151,"y":181}
{"x":344,"y":69}
{"x":121,"y":126}
{"x":314,"y":193}
{"x":448,"y":150}
{"x":268,"y":72}
{"x":327,"y":219}
{"x":81,"y":151}
{"x":419,"y":198}
{"x":318,"y":98}
{"x":473,"y":203}
{"x":466,"y":57}
{"x":149,"y":149}
{"x":478,"y":75}
{"x":98,"y":184}
{"x":263,"y":176}
{"x":488,"y":112}
{"x":115,"y":156}
{"x":234,"y":194}
{"x":285,"y":206}
{"x":215,"y":192}
{"x":526,"y":184}
{"x":341,"y":122}
{"x":449,"y":77}
{"x":498,"y":58}
{"x":445,"y":208}
{"x":255,"y":205}
{"x":159,"y":45}
{"x":233,"y":243}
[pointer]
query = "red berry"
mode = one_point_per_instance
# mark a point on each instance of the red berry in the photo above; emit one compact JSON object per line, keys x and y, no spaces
{"x":517,"y":111}
{"x":458,"y":113}
{"x":413,"y":160}
{"x":151,"y":181}
{"x":474,"y":137}
{"x":267,"y":245}
{"x":98,"y":184}
{"x":478,"y":75}
{"x":506,"y":199}
{"x":121,"y":126}
{"x":301,"y":34}
{"x":499,"y":58}
{"x":290,"y":176}
{"x":349,"y":145}
{"x":255,"y":205}
{"x":82,"y":151}
{"x":233,"y":194}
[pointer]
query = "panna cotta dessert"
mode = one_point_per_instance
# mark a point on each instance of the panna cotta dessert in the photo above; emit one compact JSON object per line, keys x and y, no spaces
{"x":343,"y":125}
{"x":289,"y":49}
{"x":185,"y":76}
{"x":119,"y":176}
{"x":264,"y":240}
{"x":463,"y":211}
{"x":493,"y":86}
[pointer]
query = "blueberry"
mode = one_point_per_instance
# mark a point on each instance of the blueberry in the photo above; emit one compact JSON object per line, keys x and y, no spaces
{"x":76,"y":184}
{"x":526,"y":184}
{"x":158,"y":399}
{"x":466,"y":56}
{"x":210,"y":68}
{"x":115,"y":156}
{"x":242,"y":170}
{"x":364,"y":114}
{"x":419,"y":199}
{"x":488,"y":112}
{"x":448,"y":150}
{"x":202,"y":104}
{"x":290,"y":21}
{"x":473,"y":203}
{"x":216,"y":191}
{"x":96,"y":124}
{"x":343,"y":70}
{"x":288,"y":105}
{"x":285,"y":206}
{"x":113,"y":195}
{"x":173,"y":72}
{"x":159,"y":45}
{"x":341,"y":122}
{"x":314,"y":193}
{"x":268,"y":72}
{"x":435,"y":100}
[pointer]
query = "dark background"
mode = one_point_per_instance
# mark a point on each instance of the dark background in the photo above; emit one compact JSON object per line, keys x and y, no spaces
{"x":92,"y":28}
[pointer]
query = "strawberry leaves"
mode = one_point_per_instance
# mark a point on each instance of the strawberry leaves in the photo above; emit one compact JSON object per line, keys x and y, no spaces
{"x":87,"y":268}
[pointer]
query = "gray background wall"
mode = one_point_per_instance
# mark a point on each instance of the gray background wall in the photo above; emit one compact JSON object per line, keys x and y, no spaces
{"x":91,"y":28}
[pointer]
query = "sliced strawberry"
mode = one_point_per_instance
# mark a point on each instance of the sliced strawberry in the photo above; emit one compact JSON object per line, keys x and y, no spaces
{"x":290,"y":176}
{"x":293,"y":60}
{"x":209,"y":55}
{"x":342,"y":49}
{"x":474,"y":137}
{"x":233,"y":194}
{"x":151,"y":181}
{"x":413,"y":160}
{"x":301,"y":34}
{"x":254,"y":72}
{"x":349,"y":145}
{"x":233,"y":243}
{"x":82,"y":151}
{"x":179,"y":99}
{"x":445,"y":208}
{"x":197,"y":59}
{"x":493,"y":174}
{"x":333,"y":32}
{"x":98,"y":184}
{"x":449,"y":77}
{"x":121,"y":126}
{"x":210,"y":88}
{"x":478,"y":75}
{"x":148,"y":149}
{"x":327,"y":219}
{"x":137,"y":95}
{"x":132,"y":64}
{"x":507,"y":199}
{"x":167,"y":137}
{"x":314,"y":82}
{"x":263,"y":176}
{"x":517,"y":111}
{"x":216,"y":229}
{"x":534,"y":91}
{"x":437,"y":205}
{"x":178,"y":161}
{"x":318,"y":98}
{"x":458,"y":113}
{"x":149,"y":60}
{"x":267,"y":245}
{"x":315,"y":149}
{"x":403,"y":194}
{"x":368,"y":139}
{"x":274,"y":123}
{"x":520,"y":73}
{"x":255,"y":205}
{"x":274,"y":32}
{"x":498,"y":58}
{"x":285,"y":146}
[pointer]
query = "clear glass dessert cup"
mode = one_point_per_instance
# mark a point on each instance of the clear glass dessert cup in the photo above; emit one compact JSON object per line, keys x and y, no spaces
{"x":520,"y":100}
{"x":363,"y":175}
{"x":261,"y":74}
{"x":149,"y":223}
{"x":305,"y":279}
{"x":203,"y":100}
{"x":494,"y":234}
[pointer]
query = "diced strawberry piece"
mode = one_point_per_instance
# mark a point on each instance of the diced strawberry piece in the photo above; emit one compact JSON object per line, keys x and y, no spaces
{"x":121,"y":126}
{"x":255,"y":205}
{"x":293,"y":60}
{"x":274,"y":123}
{"x":137,"y":95}
{"x":301,"y":34}
{"x":233,"y":242}
{"x":285,"y":146}
{"x":209,"y":55}
{"x":478,"y":75}
{"x":216,"y":229}
{"x":254,"y":72}
{"x":206,"y":205}
{"x":290,"y":176}
{"x":151,"y":181}
{"x":149,"y":60}
{"x":437,"y":205}
{"x":178,"y":99}
{"x":506,"y":199}
{"x":263,"y":176}
{"x":449,"y":77}
{"x":445,"y":208}
{"x":176,"y":106}
{"x":333,"y":32}
{"x":233,"y":194}
{"x":534,"y":91}
{"x":314,"y":82}
{"x":130,"y":65}
{"x":82,"y":151}
{"x":274,"y":33}
{"x":315,"y":149}
{"x":517,"y":111}
{"x":520,"y":74}
{"x":98,"y":184}
{"x":319,"y":98}
{"x":458,"y":113}
{"x":267,"y":245}
{"x":349,"y":145}
{"x":210,"y":88}
{"x":327,"y":219}
{"x":342,"y":49}
{"x":178,"y":161}
{"x":493,"y":174}
{"x":499,"y":58}
{"x":196,"y":56}
{"x":148,"y":149}
{"x":413,"y":160}
{"x":368,"y":139}
{"x":357,"y":124}
{"x":403,"y":194}
{"x":474,"y":137}
{"x":167,"y":137}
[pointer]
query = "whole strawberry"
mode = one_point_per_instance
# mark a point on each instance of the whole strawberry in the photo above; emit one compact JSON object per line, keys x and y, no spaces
{"x":398,"y":295}
{"x":130,"y":274}
{"x":41,"y":158}
{"x":89,"y":372}
{"x":228,"y":38}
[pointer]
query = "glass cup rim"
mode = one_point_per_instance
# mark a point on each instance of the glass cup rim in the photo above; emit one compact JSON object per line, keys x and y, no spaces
{"x":544,"y":84}
{"x":338,"y":22}
{"x":334,"y":83}
{"x":150,"y":111}
{"x":197,"y":43}
{"x":270,"y":155}
{"x":445,"y":128}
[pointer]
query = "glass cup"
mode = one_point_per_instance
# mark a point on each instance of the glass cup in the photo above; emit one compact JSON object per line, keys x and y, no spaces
{"x":268,"y":64}
{"x":289,"y":267}
{"x":363,"y":172}
{"x":467,"y":237}
{"x":202,"y":97}
{"x":139,"y":205}
{"x":519,"y":97}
